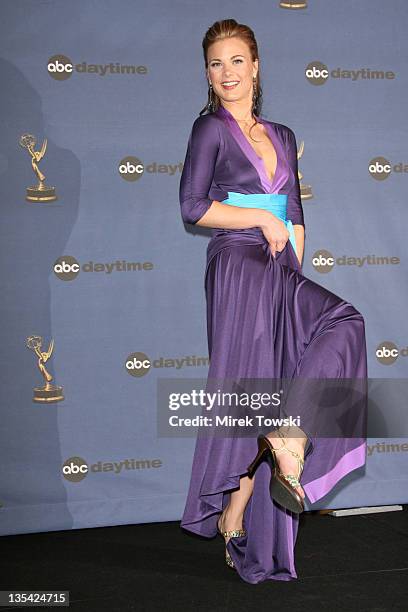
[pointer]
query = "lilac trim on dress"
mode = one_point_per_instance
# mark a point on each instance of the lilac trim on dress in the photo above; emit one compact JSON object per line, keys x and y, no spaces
{"x":282,"y":171}
{"x":316,"y":489}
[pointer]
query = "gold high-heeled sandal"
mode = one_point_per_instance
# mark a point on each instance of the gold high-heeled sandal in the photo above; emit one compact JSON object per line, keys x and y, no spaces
{"x":282,"y":486}
{"x":233,"y":533}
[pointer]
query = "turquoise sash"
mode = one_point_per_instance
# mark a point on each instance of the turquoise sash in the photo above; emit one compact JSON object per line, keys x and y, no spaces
{"x":274,"y":202}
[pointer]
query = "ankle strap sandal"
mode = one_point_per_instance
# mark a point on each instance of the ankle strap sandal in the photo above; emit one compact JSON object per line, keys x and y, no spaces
{"x":282,"y":487}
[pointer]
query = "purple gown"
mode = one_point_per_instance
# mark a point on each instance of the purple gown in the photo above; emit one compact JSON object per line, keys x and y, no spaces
{"x":264,"y":319}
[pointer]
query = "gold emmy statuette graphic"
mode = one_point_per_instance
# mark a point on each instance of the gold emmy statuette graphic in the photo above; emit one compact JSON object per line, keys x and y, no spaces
{"x":48,"y":393}
{"x":305,"y":190}
{"x":293,"y":4}
{"x":40,"y":192}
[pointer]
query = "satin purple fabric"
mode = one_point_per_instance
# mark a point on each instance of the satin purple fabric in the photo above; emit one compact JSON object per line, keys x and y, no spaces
{"x":265,"y":319}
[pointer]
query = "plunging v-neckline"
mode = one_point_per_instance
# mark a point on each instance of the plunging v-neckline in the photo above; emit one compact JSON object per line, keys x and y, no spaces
{"x":248,"y":150}
{"x":261,"y":159}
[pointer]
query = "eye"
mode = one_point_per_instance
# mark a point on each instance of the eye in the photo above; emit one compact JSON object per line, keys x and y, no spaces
{"x":237,"y":59}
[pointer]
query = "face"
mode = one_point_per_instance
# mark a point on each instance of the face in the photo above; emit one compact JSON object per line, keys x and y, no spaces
{"x":231,"y":70}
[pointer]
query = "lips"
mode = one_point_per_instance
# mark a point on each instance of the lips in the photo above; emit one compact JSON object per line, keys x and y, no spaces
{"x":230,"y":84}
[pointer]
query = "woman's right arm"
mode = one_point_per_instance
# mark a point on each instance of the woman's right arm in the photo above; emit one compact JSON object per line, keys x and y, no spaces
{"x":195,"y":183}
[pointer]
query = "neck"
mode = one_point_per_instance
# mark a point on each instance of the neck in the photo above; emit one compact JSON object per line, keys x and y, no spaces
{"x":240,"y":111}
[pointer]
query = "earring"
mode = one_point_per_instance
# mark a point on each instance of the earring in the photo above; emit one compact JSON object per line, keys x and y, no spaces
{"x":254,"y":95}
{"x":210,"y":104}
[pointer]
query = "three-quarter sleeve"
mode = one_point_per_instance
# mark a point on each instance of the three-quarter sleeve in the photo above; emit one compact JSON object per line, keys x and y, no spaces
{"x":294,"y":210}
{"x":198,"y":169}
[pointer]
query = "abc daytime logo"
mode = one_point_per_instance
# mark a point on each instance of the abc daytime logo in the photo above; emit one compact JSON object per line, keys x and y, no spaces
{"x":67,"y":268}
{"x":60,"y":67}
{"x":323,"y":261}
{"x":75,"y":469}
{"x":387,"y":352}
{"x":130,"y":168}
{"x":318,"y":73}
{"x":381,"y":168}
{"x":138,"y":364}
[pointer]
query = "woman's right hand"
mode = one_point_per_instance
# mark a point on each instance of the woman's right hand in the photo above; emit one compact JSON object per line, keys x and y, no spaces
{"x":275,"y":231}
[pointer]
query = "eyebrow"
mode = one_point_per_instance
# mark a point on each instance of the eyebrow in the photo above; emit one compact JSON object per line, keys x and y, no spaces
{"x":232,"y":57}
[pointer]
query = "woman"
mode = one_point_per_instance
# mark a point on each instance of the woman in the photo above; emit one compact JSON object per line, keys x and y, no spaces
{"x":265,"y":320}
